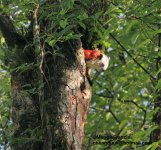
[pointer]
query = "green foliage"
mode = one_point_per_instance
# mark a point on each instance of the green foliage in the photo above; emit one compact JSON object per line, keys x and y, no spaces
{"x":5,"y":109}
{"x":123,"y":96}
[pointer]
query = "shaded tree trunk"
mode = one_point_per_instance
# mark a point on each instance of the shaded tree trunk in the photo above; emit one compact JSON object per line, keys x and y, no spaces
{"x":50,"y":93}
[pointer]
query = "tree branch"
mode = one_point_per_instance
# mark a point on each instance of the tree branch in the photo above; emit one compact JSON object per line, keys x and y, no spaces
{"x":9,"y":32}
{"x":112,"y":113}
{"x":131,"y":101}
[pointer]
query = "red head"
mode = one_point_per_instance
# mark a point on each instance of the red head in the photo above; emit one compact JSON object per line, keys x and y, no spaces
{"x":96,"y":60}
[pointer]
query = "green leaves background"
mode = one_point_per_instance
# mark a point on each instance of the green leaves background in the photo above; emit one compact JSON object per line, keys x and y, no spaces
{"x":124,"y":95}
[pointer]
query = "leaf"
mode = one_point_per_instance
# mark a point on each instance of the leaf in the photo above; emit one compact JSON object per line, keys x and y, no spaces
{"x":2,"y":40}
{"x":158,"y":71}
{"x":134,"y":38}
{"x":130,"y":25}
{"x":147,"y":41}
{"x":153,"y":146}
{"x":63,"y":23}
{"x":159,"y":54}
{"x":82,"y":16}
{"x":82,"y":25}
{"x":124,"y":147}
{"x":139,"y":135}
{"x":123,"y":132}
{"x":123,"y":124}
{"x":108,"y":115}
{"x":65,"y":30}
{"x":52,"y":42}
{"x":156,"y":31}
{"x":148,"y":132}
{"x":158,"y":86}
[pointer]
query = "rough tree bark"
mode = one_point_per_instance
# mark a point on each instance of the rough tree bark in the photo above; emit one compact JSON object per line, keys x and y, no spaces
{"x":51,"y":97}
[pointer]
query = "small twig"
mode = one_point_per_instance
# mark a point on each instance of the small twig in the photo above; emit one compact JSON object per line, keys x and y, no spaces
{"x":131,"y":101}
{"x":110,"y":105}
{"x":112,"y":113}
{"x":110,"y":92}
{"x":105,"y":96}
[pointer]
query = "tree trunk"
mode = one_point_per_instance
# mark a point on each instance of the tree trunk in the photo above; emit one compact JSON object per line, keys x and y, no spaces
{"x":51,"y":97}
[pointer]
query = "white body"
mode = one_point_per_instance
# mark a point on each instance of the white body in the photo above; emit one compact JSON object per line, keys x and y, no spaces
{"x":99,"y":64}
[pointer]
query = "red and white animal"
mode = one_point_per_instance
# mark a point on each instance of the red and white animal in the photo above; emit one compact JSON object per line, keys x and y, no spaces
{"x":95,"y":59}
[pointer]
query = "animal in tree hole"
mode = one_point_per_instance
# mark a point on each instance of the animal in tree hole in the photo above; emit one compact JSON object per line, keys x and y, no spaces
{"x":97,"y":60}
